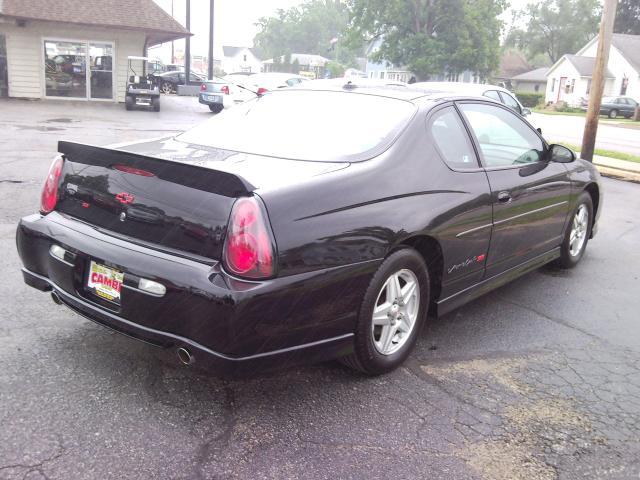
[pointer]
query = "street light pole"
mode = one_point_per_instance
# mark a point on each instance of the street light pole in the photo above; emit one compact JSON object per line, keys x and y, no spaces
{"x":173,"y":56}
{"x":597,"y":79}
{"x":210,"y":63}
{"x":187,"y":47}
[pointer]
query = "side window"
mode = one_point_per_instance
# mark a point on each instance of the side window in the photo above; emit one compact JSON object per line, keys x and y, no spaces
{"x":510,"y":102}
{"x":493,"y":94}
{"x":504,"y":138}
{"x":452,"y":140}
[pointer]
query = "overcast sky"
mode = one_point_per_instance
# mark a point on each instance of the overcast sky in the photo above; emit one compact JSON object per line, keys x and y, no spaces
{"x":234,"y":23}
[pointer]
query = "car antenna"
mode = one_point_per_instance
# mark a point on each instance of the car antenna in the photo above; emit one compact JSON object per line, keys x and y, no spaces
{"x":238,"y":85}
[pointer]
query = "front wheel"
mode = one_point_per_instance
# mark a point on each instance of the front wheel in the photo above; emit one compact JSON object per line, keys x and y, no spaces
{"x":155,"y":103}
{"x":578,"y":233}
{"x":613,"y":114}
{"x":392,"y":313}
{"x":128,"y":102}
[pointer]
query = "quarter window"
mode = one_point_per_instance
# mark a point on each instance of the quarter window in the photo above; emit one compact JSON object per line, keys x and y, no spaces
{"x":504,"y":139}
{"x":493,"y":94}
{"x":510,"y":102}
{"x":451,"y":139}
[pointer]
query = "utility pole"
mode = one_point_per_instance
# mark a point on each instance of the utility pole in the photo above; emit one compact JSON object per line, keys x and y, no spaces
{"x":210,"y":63}
{"x":597,"y":79}
{"x":173,"y":55}
{"x":187,"y":47}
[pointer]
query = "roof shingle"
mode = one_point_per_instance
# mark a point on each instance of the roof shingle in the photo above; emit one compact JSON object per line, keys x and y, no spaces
{"x":143,"y":15}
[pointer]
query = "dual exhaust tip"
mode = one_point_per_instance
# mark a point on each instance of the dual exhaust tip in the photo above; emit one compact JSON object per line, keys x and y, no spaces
{"x":184,"y":355}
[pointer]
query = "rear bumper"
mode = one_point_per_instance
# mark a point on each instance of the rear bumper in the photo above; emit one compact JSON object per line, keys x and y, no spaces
{"x":230,"y":326}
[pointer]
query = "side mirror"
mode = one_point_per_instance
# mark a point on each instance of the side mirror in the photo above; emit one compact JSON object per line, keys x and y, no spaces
{"x":561,"y":154}
{"x":525,"y":112}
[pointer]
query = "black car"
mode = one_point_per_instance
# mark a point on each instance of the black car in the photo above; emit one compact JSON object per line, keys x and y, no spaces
{"x":267,"y":236}
{"x":615,"y":107}
{"x":169,"y":81}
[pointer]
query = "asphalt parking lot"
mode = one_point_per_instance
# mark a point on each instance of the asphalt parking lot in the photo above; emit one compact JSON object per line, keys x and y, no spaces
{"x":537,"y":380}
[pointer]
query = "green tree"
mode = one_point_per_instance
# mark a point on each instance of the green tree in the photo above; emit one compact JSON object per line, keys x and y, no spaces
{"x":431,"y":36}
{"x":628,"y":17}
{"x":307,"y":28}
{"x":556,"y":27}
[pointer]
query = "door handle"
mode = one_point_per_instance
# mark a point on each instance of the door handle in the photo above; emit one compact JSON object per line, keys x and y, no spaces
{"x":504,"y":197}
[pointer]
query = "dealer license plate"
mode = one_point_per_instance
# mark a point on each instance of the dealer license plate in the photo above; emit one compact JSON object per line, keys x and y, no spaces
{"x":105,"y":282}
{"x":213,"y":98}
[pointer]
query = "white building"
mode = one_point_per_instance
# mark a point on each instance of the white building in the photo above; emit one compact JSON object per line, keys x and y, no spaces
{"x":77,"y":49}
{"x":240,"y":59}
{"x":307,"y":62}
{"x":569,"y":79}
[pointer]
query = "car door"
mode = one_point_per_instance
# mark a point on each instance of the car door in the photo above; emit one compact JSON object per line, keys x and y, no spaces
{"x":530,"y":195}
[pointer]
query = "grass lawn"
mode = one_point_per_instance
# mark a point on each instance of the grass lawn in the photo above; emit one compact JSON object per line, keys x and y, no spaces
{"x":605,"y":153}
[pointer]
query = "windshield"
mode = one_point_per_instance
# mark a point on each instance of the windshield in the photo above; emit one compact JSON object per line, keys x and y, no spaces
{"x":307,"y":125}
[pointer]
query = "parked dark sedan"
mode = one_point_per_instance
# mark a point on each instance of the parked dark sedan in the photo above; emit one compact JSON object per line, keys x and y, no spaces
{"x":169,"y":81}
{"x":614,"y":107}
{"x":257,"y":240}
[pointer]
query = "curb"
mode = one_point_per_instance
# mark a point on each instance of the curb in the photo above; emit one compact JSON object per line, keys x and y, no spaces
{"x":618,"y":173}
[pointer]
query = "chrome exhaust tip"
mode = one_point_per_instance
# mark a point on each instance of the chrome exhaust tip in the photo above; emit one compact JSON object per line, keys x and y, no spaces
{"x":56,"y":298}
{"x":185,"y":356}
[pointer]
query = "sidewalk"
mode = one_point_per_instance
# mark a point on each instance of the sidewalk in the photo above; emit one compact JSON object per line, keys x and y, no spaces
{"x":622,"y":169}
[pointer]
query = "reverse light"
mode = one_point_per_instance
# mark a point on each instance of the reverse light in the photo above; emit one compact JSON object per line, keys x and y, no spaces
{"x":249,"y":249}
{"x":225,"y":89}
{"x":49,"y":196}
{"x":261,"y":91}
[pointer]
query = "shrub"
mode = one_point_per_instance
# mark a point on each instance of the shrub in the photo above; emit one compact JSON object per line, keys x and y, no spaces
{"x":530,"y":100}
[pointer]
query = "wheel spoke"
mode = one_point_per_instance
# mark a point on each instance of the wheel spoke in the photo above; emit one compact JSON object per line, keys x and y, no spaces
{"x":386,"y":337}
{"x":407,"y":292}
{"x":393,"y":288}
{"x":381,"y":314}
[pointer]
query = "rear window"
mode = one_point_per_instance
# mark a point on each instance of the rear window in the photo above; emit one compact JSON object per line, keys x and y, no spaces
{"x":307,"y":125}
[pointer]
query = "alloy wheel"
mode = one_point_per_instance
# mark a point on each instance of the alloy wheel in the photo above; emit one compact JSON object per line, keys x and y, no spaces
{"x":395,"y":312}
{"x":579,"y":228}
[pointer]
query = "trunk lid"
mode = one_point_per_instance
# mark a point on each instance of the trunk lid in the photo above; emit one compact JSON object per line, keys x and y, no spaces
{"x":167,"y":194}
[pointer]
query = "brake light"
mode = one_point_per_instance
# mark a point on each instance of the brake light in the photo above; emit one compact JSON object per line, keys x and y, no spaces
{"x":203,"y":88}
{"x":49,"y":196}
{"x":225,"y":89}
{"x":133,"y":170}
{"x":249,"y":249}
{"x":261,"y":91}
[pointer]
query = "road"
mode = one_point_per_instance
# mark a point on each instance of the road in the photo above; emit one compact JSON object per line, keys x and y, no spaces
{"x":612,"y":135}
{"x":537,"y":380}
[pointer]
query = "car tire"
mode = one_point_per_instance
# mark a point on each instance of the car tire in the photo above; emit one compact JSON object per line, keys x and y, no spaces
{"x":216,"y":108}
{"x":613,"y":113}
{"x":166,"y":88}
{"x":577,"y":234}
{"x":377,"y":349}
{"x":128,"y":102}
{"x":155,"y":103}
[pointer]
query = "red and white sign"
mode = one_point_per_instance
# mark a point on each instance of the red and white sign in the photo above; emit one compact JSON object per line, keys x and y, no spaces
{"x":105,"y":282}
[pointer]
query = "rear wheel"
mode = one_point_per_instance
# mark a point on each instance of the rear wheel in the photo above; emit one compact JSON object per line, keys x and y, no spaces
{"x":216,"y":108}
{"x":613,"y":113}
{"x":128,"y":102}
{"x":578,"y":233}
{"x":155,"y":103}
{"x":166,"y":87}
{"x":392,"y":313}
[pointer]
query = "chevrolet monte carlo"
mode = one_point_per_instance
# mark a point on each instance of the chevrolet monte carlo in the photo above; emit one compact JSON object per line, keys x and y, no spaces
{"x":308,"y":224}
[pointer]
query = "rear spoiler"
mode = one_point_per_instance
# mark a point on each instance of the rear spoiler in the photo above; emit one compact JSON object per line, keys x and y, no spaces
{"x":193,"y":176}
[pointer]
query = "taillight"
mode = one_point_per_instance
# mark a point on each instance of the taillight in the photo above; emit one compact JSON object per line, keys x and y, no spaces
{"x":261,"y":91}
{"x":203,"y":88}
{"x":249,"y":248}
{"x":225,"y":89}
{"x":49,"y":196}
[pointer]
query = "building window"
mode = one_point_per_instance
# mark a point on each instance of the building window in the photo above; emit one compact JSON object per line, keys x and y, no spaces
{"x":588,"y":86}
{"x":553,"y":85}
{"x":382,"y":75}
{"x":244,"y":58}
{"x":536,"y":88}
{"x":78,"y":69}
{"x":624,"y":85}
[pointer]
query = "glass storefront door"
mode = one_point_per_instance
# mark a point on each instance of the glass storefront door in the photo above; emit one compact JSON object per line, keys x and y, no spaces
{"x":78,"y":69}
{"x":101,"y":58}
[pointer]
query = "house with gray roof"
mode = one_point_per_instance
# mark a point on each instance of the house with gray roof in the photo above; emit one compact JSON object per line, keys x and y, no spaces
{"x":77,"y":49}
{"x":533,"y":81}
{"x":569,"y":79}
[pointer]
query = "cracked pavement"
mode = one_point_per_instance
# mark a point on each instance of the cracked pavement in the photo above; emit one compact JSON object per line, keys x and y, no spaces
{"x":537,"y":380}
